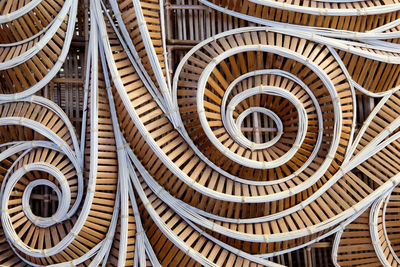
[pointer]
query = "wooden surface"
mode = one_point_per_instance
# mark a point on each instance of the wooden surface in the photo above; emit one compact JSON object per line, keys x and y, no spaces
{"x":136,"y":124}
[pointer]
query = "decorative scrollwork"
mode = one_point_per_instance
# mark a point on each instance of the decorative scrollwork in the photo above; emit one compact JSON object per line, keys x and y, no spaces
{"x":249,"y":147}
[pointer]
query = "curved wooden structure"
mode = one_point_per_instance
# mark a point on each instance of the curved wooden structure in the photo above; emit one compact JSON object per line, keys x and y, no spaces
{"x":240,"y":151}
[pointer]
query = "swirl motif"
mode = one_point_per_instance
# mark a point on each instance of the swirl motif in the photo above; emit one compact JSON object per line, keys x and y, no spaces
{"x":247,"y":148}
{"x":272,"y":86}
{"x":42,"y":149}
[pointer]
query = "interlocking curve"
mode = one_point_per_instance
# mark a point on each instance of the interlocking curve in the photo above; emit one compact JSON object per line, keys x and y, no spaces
{"x":250,"y":146}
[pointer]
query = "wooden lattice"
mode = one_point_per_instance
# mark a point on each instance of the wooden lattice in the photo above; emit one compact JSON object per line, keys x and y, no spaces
{"x":199,"y":132}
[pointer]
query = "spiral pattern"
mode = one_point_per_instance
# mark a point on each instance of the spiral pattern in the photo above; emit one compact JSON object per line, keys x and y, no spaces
{"x":40,"y":149}
{"x":248,"y":147}
{"x":262,"y":85}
